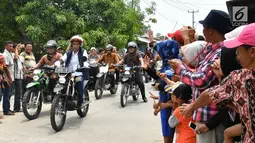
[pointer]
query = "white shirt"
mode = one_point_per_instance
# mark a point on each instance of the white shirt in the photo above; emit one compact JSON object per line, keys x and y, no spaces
{"x":74,"y":62}
{"x":9,"y":61}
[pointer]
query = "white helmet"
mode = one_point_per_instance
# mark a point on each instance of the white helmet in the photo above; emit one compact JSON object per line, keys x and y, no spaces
{"x":93,"y":48}
{"x":77,"y":38}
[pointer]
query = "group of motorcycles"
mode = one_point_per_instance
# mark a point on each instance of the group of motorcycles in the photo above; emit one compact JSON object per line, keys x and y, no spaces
{"x":56,"y":85}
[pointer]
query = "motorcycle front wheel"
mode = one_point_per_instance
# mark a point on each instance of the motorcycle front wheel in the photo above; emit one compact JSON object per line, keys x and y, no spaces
{"x":124,"y":94}
{"x":57,"y":110}
{"x":82,"y":112}
{"x":29,"y":103}
{"x":99,"y":88}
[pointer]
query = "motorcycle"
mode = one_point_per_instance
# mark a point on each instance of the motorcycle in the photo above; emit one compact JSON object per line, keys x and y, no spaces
{"x":103,"y":81}
{"x":66,"y":98}
{"x":129,"y":86}
{"x":39,"y":91}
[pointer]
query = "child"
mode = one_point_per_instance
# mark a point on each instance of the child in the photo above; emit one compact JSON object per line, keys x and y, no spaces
{"x":181,"y":93}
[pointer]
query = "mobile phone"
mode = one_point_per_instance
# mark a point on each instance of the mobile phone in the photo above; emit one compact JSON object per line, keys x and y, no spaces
{"x":192,"y":125}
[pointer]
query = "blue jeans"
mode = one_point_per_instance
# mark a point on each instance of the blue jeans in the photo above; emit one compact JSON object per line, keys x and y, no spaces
{"x":1,"y":93}
{"x":79,"y":86}
{"x":6,"y":98}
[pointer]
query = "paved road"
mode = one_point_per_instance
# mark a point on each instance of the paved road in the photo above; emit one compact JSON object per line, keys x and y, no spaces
{"x":106,"y":122}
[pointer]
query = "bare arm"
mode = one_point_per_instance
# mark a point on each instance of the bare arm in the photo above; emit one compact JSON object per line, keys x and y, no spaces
{"x":141,"y":62}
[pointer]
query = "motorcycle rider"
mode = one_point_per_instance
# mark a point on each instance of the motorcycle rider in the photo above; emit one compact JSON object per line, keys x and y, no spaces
{"x":73,"y":59}
{"x":109,"y":58}
{"x":133,"y":57}
{"x":93,"y":71}
{"x":51,"y":57}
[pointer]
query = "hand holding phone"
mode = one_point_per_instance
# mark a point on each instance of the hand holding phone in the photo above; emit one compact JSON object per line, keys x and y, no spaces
{"x":192,"y":125}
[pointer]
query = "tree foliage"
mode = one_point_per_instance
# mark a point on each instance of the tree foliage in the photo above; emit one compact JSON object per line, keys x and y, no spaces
{"x":98,"y":21}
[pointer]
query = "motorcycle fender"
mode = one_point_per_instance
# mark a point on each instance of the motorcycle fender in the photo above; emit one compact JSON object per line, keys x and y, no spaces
{"x":124,"y":79}
{"x":99,"y":75}
{"x":85,"y":83}
{"x":58,"y":88}
{"x":32,"y":84}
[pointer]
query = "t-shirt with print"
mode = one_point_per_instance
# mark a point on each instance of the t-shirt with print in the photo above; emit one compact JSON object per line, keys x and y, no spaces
{"x":184,"y":133}
{"x":239,"y":88}
{"x":28,"y":60}
{"x":9,"y":62}
{"x":45,"y":61}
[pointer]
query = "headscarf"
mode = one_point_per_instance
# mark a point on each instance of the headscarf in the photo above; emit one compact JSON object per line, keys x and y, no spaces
{"x":228,"y":61}
{"x":168,"y":49}
{"x":191,"y":51}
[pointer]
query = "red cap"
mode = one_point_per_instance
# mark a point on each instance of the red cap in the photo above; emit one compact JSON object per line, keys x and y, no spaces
{"x":176,"y":35}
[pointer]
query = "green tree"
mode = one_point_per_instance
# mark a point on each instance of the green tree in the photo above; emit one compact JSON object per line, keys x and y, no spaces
{"x":98,"y":21}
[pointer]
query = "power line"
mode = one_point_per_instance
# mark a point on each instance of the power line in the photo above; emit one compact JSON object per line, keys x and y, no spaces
{"x":174,"y":6}
{"x":159,"y":13}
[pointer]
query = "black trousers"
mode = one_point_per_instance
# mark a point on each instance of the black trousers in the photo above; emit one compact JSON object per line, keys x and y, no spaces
{"x":139,"y":82}
{"x":93,"y":71}
{"x":18,"y":93}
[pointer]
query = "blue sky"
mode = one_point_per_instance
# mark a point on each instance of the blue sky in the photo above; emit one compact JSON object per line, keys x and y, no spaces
{"x":168,"y":12}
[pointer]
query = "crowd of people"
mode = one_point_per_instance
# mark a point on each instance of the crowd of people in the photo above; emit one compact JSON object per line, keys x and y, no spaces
{"x":206,"y":84}
{"x":208,"y":96}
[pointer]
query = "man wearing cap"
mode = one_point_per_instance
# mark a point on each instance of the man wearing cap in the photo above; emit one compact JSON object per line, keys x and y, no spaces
{"x":216,"y":25}
{"x":238,"y":88}
{"x":60,"y":50}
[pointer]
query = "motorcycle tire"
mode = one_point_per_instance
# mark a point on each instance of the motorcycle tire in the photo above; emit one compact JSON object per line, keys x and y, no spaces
{"x":98,"y":86}
{"x":25,"y":101}
{"x":86,"y":99}
{"x":54,"y":105}
{"x":114,"y":90}
{"x":123,"y":95}
{"x":135,"y":97}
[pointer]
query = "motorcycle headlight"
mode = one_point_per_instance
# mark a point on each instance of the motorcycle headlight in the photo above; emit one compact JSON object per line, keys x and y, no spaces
{"x":62,"y":80}
{"x":127,"y":72}
{"x":35,"y":77}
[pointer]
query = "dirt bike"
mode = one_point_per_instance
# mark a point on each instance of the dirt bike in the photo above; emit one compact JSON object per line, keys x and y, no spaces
{"x":103,"y":81}
{"x":129,"y":86}
{"x":67,"y":96}
{"x":39,"y":91}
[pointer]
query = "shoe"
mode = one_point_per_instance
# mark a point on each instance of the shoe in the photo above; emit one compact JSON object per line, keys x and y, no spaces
{"x":11,"y":111}
{"x":145,"y":99}
{"x":153,"y":84}
{"x":9,"y":114}
{"x":15,"y":111}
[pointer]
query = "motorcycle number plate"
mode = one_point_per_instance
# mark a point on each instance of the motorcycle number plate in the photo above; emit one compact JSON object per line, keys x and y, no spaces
{"x":61,"y":70}
{"x":103,"y":69}
{"x":36,"y":72}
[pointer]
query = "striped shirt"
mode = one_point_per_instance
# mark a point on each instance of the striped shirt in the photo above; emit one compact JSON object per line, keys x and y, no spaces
{"x":202,"y":78}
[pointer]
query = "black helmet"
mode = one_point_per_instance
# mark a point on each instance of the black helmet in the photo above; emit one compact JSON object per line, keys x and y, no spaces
{"x":51,"y":43}
{"x":109,"y":47}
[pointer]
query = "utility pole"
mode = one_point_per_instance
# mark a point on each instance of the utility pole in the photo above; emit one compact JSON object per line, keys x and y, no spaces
{"x":193,"y":19}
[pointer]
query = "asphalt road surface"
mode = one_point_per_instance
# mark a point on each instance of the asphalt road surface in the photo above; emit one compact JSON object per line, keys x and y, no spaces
{"x":106,"y":122}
